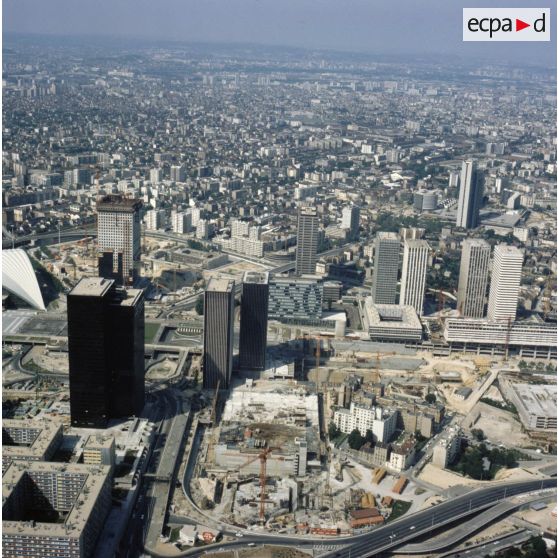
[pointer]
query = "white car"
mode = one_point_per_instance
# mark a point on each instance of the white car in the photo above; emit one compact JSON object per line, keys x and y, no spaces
{"x":238,"y":535}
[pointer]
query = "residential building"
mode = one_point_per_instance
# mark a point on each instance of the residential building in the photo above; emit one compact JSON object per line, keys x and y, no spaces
{"x":350,"y":221}
{"x":381,"y":422}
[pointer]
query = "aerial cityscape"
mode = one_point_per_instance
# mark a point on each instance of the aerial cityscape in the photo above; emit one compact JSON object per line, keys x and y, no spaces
{"x":267,"y":301}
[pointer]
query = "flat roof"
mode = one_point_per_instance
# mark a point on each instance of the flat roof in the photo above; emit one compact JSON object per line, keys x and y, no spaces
{"x":220,"y":285}
{"x":47,"y":432}
{"x":256,"y":277}
{"x":95,"y":477}
{"x":118,"y":203}
{"x":391,"y":316}
{"x":537,"y":399}
{"x":92,"y":286}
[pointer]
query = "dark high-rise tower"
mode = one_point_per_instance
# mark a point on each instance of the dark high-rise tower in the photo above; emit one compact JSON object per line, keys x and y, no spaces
{"x":106,"y":352}
{"x":253,"y":320}
{"x":218,"y":333}
{"x":306,"y":241}
{"x":470,"y":196}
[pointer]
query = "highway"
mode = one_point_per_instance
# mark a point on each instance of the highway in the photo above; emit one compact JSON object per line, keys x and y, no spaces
{"x":393,"y":534}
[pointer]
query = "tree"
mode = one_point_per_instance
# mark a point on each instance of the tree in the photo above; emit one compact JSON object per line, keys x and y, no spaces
{"x":199,"y":305}
{"x":333,"y":431}
{"x":478,"y":434}
{"x":369,"y":438}
{"x":430,"y":398}
{"x":355,"y":440}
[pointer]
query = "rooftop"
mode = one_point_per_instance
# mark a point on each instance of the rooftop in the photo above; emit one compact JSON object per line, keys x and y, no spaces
{"x":537,"y":399}
{"x":94,"y":478}
{"x":256,"y":277}
{"x":220,"y":285}
{"x":92,"y":286}
{"x":118,"y":203}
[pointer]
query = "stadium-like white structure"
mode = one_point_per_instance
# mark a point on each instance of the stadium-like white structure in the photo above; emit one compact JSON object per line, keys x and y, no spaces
{"x":18,"y":277}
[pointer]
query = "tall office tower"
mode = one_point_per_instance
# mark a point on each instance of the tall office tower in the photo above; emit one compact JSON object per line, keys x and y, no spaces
{"x":386,"y":267}
{"x":106,"y":352}
{"x":306,"y":241}
{"x":470,"y":196}
{"x":473,"y":277}
{"x":351,"y":220}
{"x":118,"y":231}
{"x":413,"y":274}
{"x":504,"y":284}
{"x":218,"y":333}
{"x":253,"y":320}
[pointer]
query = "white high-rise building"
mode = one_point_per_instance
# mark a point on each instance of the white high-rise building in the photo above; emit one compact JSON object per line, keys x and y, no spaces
{"x":306,"y":241}
{"x":470,"y":196}
{"x":156,"y":176}
{"x":177,"y":173}
{"x":154,"y":219}
{"x":118,"y":231}
{"x":413,"y":274}
{"x":181,"y":222}
{"x":386,"y":267}
{"x":195,"y":212}
{"x":504,"y":284}
{"x":473,"y":277}
{"x":350,"y":221}
{"x":381,"y":422}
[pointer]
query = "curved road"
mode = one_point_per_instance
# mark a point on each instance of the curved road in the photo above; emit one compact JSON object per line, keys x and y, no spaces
{"x":392,"y":534}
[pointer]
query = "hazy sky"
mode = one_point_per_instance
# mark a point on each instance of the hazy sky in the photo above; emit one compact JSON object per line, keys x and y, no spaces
{"x":382,"y":26}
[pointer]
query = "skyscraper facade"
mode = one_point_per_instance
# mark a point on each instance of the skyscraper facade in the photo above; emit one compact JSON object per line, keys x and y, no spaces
{"x":218,"y":333}
{"x":473,"y":277}
{"x":470,"y":196}
{"x":253,"y":320}
{"x":504,"y":283}
{"x":386,"y":267}
{"x":118,"y":231}
{"x":413,"y":274}
{"x":350,"y":220}
{"x":106,"y":352}
{"x":306,"y":241}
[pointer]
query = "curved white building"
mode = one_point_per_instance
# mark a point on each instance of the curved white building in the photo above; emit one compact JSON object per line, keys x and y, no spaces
{"x":18,"y":277}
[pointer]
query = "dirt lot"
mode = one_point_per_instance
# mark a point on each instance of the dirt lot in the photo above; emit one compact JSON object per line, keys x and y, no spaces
{"x":501,"y":427}
{"x":266,"y":552}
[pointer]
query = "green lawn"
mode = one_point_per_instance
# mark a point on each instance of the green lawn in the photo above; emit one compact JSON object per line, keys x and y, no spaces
{"x":150,"y":331}
{"x":398,"y":509}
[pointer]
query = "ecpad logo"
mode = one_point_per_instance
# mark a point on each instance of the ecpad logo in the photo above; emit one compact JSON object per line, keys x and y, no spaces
{"x":506,"y":24}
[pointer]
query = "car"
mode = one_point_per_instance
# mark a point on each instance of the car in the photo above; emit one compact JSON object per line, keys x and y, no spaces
{"x":238,"y":534}
{"x":411,"y":527}
{"x":251,"y":544}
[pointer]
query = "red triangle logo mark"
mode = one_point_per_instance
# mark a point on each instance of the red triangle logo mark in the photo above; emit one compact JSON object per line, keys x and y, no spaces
{"x":519,"y":25}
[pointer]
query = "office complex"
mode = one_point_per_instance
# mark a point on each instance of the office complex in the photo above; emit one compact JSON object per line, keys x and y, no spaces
{"x":218,"y":333}
{"x":386,"y":268}
{"x":295,"y":298}
{"x":473,"y":278}
{"x":53,"y":510}
{"x":413,"y":274}
{"x":253,"y":320}
{"x":391,"y":322}
{"x":504,"y":283}
{"x":470,"y":196}
{"x":350,"y":221}
{"x":118,"y":231}
{"x":306,"y":241}
{"x":106,"y":352}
